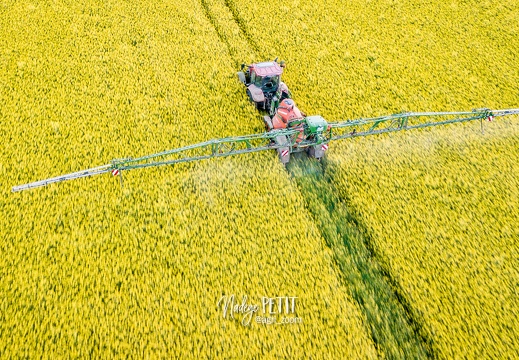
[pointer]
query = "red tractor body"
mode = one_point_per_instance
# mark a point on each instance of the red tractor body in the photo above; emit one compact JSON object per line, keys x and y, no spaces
{"x":264,"y":86}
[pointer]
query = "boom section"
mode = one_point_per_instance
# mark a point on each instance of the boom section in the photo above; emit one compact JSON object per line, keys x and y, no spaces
{"x":205,"y":150}
{"x":408,"y":121}
{"x":76,"y":175}
{"x":316,"y":133}
{"x":209,"y":149}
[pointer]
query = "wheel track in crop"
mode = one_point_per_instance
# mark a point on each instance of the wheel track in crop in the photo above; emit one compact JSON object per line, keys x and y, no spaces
{"x":212,"y":19}
{"x":231,"y":30}
{"x":242,"y":25}
{"x":395,"y":328}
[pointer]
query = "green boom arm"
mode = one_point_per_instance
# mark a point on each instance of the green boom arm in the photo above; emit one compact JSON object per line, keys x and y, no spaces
{"x":266,"y":141}
{"x":408,"y":121}
{"x":205,"y":150}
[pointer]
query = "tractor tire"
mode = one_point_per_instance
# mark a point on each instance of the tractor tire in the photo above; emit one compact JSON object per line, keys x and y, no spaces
{"x":268,"y":123}
{"x":284,"y":152}
{"x":315,"y":152}
{"x":261,"y":105}
{"x":241,"y":76}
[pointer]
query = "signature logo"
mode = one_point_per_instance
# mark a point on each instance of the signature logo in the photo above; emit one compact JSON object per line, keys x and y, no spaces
{"x":268,"y":310}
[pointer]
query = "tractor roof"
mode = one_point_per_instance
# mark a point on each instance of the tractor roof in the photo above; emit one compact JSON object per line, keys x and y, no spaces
{"x":268,"y":68}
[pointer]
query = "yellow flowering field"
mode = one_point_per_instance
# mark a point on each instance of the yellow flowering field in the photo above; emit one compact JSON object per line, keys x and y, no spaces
{"x":404,"y":247}
{"x":441,"y":208}
{"x":366,"y":58}
{"x":91,"y":270}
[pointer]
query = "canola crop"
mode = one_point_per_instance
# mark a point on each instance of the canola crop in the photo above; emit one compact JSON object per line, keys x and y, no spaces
{"x":441,"y":210}
{"x":439,"y":206}
{"x":92,"y":270}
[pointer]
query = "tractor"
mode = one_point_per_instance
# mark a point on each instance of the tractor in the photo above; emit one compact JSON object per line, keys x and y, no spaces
{"x":264,"y":86}
{"x":269,"y":93}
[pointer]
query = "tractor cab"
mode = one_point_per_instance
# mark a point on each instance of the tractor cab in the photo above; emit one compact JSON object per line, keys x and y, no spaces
{"x":266,"y":76}
{"x":264,"y":85}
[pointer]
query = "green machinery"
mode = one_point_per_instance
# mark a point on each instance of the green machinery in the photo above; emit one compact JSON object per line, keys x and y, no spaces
{"x":311,"y":134}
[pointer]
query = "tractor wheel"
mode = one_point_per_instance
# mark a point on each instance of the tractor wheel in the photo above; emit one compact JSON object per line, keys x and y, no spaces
{"x":268,"y":123}
{"x":315,"y":152}
{"x":241,"y":76}
{"x":249,"y":95}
